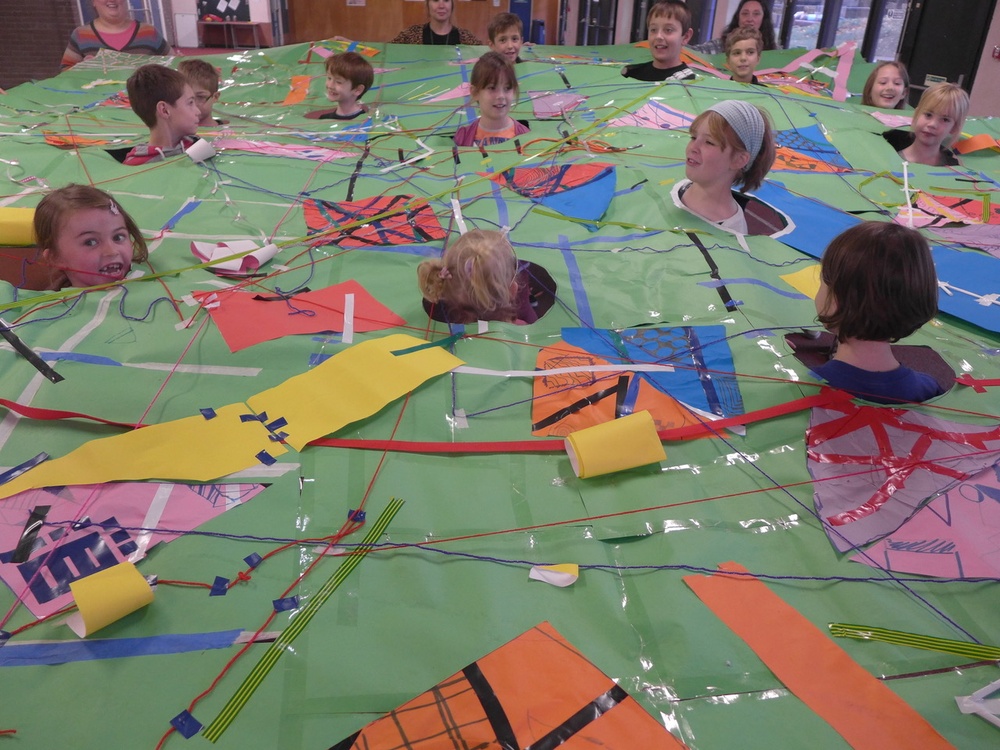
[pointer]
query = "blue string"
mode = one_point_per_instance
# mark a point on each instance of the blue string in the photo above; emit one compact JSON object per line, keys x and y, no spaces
{"x":393,"y":546}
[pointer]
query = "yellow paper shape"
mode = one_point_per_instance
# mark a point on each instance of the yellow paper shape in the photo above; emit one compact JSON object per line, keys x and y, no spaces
{"x":17,"y":226}
{"x":805,"y":281}
{"x":107,"y":596}
{"x":193,"y":448}
{"x":614,"y":446}
{"x":562,"y":575}
{"x":351,"y":385}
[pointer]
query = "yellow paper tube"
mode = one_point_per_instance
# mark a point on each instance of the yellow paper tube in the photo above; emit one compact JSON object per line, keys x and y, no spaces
{"x":615,"y":446}
{"x":17,"y":226}
{"x":107,"y":596}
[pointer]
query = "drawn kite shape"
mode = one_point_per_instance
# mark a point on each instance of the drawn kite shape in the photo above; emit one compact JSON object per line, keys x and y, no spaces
{"x":54,"y":555}
{"x":875,"y":466}
{"x":537,"y":691}
{"x":245,"y":318}
{"x":401,"y":220}
{"x":956,"y":535}
{"x":582,"y":191}
{"x":565,"y":402}
{"x":703,"y":376}
{"x":985,"y":237}
{"x":808,"y":150}
{"x":655,"y":115}
{"x":951,"y":209}
{"x":548,"y":105}
{"x":700,"y":387}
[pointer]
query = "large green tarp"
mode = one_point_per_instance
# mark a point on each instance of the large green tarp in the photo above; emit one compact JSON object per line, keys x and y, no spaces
{"x":410,"y":616}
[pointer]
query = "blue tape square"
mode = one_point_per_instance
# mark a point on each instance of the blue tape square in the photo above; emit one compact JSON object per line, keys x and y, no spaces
{"x":283,"y":605}
{"x":356,"y":515}
{"x":262,"y":417}
{"x":186,"y":724}
{"x":4,"y":637}
{"x":277,"y":437}
{"x":277,"y":424}
{"x":253,"y":560}
{"x":220,"y":587}
{"x":208,"y":413}
{"x":266,"y":458}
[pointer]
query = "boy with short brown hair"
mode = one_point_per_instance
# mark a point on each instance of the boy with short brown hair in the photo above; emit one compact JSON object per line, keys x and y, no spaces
{"x":204,"y":81}
{"x":506,"y":33}
{"x":743,"y":48}
{"x":164,"y":101}
{"x":348,"y":76}
{"x":668,"y":26}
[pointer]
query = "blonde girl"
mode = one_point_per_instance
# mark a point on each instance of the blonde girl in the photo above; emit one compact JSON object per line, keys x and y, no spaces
{"x":477,"y":278}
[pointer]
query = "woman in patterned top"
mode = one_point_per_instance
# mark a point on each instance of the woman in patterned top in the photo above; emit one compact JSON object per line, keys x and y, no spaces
{"x":438,"y":29}
{"x":113,"y":29}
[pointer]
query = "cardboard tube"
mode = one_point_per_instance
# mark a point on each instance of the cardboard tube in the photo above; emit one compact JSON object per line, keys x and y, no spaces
{"x":107,"y":596}
{"x":17,"y":226}
{"x":615,"y":446}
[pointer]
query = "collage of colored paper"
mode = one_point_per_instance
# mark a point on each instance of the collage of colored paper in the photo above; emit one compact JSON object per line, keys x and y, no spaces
{"x":237,"y":439}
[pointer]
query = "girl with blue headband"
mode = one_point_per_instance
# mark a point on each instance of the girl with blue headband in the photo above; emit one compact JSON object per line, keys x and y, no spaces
{"x":732,"y":145}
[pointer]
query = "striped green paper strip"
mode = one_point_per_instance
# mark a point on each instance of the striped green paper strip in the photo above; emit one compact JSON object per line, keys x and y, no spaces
{"x":930,"y":643}
{"x":214,"y":730}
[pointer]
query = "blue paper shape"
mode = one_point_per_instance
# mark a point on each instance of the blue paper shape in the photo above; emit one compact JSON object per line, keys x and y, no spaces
{"x":253,"y":560}
{"x":978,"y":278}
{"x":704,"y":377}
{"x":816,"y":224}
{"x":220,"y":587}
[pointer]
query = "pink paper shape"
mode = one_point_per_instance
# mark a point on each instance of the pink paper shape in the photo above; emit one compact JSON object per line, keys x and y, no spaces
{"x":269,"y":148}
{"x":654,"y":115}
{"x":459,"y":92}
{"x":63,"y":554}
{"x":245,"y":321}
{"x":892,"y":121}
{"x":956,"y":535}
{"x":552,"y":105}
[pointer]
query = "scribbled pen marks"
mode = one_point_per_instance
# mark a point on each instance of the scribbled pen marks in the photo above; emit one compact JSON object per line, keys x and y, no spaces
{"x":924,"y":546}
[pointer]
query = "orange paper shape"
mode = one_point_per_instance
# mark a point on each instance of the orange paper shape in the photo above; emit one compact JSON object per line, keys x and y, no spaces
{"x":535,"y":689}
{"x":866,"y":713}
{"x":588,"y":398}
{"x":976,"y":143}
{"x":299,"y":90}
{"x":245,"y":320}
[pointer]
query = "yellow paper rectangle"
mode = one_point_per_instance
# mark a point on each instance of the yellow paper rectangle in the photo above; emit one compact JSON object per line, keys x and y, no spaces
{"x":805,"y":281}
{"x":17,"y":226}
{"x":614,"y":446}
{"x":352,"y":385}
{"x":193,"y":448}
{"x":107,"y":596}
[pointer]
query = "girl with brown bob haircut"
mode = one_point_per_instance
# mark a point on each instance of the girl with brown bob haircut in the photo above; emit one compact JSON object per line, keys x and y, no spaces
{"x":877,"y":285}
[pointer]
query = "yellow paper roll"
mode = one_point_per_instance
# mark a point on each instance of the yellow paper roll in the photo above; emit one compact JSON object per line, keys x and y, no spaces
{"x":17,"y":226}
{"x":615,"y":446}
{"x":107,"y":596}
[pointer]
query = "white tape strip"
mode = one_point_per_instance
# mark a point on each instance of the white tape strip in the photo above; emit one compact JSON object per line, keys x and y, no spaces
{"x":466,"y":370}
{"x":348,"y":337}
